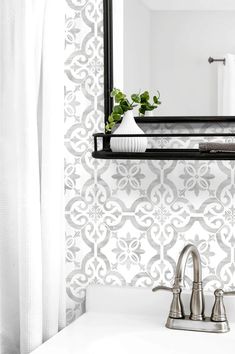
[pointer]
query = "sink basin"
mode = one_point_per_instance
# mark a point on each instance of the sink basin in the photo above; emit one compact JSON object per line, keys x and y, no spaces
{"x":128,"y":320}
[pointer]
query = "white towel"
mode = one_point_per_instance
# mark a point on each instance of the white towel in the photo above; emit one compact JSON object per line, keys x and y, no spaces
{"x":226,"y":87}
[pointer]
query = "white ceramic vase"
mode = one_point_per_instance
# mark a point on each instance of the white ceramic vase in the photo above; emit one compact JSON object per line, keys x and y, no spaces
{"x":129,"y":126}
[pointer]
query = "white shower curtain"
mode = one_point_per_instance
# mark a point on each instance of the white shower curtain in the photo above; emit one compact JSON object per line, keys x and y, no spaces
{"x":226,"y":87}
{"x":32,"y":306}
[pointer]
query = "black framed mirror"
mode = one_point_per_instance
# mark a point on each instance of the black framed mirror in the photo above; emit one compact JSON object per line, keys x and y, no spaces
{"x":108,"y":56}
{"x":185,"y":44}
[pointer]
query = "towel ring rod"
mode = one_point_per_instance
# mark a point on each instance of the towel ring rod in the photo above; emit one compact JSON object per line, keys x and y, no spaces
{"x":212,"y":60}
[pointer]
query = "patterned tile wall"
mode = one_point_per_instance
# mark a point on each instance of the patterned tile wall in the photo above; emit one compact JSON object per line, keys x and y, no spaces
{"x":128,"y":220}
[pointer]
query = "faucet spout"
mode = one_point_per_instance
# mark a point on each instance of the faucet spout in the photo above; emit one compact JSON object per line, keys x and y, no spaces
{"x":181,"y":265}
{"x":197,"y":299}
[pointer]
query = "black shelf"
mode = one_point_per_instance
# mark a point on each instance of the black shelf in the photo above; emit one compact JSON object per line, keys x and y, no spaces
{"x":166,"y":154}
{"x":185,"y":119}
{"x":163,"y":154}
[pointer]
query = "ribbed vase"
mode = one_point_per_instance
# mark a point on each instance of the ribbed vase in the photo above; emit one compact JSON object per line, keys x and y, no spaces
{"x":129,"y":126}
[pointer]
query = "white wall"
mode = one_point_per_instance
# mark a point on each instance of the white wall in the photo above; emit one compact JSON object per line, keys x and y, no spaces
{"x":182,"y":42}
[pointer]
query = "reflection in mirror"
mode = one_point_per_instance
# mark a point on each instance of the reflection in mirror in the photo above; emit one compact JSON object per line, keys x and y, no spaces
{"x":165,"y":45}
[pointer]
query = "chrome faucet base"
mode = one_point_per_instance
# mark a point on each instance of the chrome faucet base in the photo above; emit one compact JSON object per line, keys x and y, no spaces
{"x":186,"y":324}
{"x":197,"y":321}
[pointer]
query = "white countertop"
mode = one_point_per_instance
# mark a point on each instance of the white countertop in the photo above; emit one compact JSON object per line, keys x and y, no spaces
{"x":106,"y":331}
{"x":96,"y":333}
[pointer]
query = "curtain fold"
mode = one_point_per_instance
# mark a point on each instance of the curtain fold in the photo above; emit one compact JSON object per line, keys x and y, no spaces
{"x":32,"y":307}
{"x":52,"y":165}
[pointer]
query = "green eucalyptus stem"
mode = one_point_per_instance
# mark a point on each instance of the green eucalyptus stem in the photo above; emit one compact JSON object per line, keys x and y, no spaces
{"x":122,"y":105}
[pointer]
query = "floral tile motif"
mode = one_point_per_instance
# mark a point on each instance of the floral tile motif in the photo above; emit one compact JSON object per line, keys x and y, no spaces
{"x":127,"y":221}
{"x":128,"y":251}
{"x":128,"y":176}
{"x":197,"y":176}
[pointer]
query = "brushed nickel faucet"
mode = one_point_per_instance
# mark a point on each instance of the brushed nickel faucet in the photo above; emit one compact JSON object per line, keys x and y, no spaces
{"x":196,"y":321}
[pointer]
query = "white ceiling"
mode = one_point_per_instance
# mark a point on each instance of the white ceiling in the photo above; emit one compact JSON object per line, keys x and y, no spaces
{"x":190,"y":5}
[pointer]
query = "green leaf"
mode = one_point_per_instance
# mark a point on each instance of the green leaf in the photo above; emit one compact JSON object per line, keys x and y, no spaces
{"x":155,"y":99}
{"x":119,"y":97}
{"x":142,"y":110}
{"x":107,"y":128}
{"x":136,"y":98}
{"x":110,"y":119}
{"x":117,"y":109}
{"x":145,"y":96}
{"x":125,"y":105}
{"x":116,"y":117}
{"x":115,"y":92}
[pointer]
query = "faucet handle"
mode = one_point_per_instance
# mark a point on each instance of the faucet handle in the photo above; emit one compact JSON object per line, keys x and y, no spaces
{"x":229,"y":293}
{"x":176,"y":310}
{"x":166,"y":288}
{"x":218,"y":311}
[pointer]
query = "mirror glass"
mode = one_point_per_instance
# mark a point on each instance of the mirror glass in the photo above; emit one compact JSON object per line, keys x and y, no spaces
{"x":165,"y":45}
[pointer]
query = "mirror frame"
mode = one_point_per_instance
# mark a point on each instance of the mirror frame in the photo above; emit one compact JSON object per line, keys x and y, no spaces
{"x":108,"y":57}
{"x":108,"y":79}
